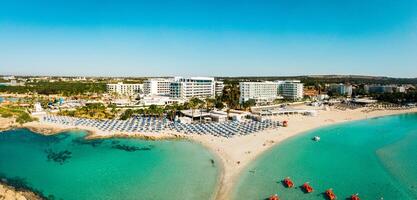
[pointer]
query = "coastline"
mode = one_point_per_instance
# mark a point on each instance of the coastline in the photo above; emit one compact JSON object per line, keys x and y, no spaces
{"x":11,"y":193}
{"x":232,"y":154}
{"x":236,"y":153}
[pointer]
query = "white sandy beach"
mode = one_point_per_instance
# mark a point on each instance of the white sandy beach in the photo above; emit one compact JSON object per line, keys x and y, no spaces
{"x":235,"y":153}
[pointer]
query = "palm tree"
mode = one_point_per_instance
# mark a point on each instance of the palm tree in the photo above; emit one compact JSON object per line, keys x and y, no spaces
{"x":210,"y":103}
{"x":159,"y":112}
{"x":201,"y":106}
{"x":172,"y":109}
{"x":152,"y":110}
{"x":139,"y":111}
{"x":194,"y":103}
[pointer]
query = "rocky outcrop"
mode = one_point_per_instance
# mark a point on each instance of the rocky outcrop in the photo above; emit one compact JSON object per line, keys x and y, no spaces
{"x":10,"y":193}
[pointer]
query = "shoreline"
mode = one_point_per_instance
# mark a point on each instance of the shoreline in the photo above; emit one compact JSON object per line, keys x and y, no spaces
{"x":233,"y":154}
{"x":245,"y":149}
{"x":8,"y":192}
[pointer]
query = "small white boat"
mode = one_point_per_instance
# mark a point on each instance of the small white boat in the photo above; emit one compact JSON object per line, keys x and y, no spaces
{"x":316,"y":138}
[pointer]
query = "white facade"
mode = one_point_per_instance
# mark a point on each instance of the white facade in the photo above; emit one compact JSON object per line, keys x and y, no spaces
{"x":159,"y":100}
{"x":293,"y":90}
{"x":400,"y":89}
{"x":38,"y":107}
{"x":186,"y":88}
{"x":219,"y":85}
{"x":259,"y":91}
{"x":124,"y":89}
{"x":157,"y":86}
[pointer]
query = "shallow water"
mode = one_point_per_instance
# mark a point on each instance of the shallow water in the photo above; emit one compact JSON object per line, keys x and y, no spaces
{"x":376,"y":158}
{"x":107,"y":169}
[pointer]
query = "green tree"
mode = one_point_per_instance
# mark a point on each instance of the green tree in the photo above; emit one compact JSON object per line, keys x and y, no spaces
{"x":249,"y":103}
{"x":231,"y":94}
{"x":194,"y":103}
{"x":210,"y":102}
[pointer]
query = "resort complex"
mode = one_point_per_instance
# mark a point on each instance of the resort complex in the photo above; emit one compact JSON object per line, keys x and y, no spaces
{"x":236,"y":120}
{"x":208,"y":100}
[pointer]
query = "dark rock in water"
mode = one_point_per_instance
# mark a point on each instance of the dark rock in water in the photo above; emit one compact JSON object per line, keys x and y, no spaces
{"x":212,"y":162}
{"x":60,"y":157}
{"x":130,"y":148}
{"x":82,"y":141}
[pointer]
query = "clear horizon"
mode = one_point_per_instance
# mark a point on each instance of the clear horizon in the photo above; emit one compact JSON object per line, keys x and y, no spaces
{"x":209,"y":38}
{"x":243,"y":76}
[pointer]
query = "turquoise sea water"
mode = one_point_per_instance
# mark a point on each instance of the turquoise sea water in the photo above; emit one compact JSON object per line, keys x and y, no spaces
{"x":106,"y":169}
{"x":376,"y":158}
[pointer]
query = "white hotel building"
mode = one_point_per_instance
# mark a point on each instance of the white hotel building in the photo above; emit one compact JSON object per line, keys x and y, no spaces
{"x":124,"y":89}
{"x":186,"y":88}
{"x":183,"y":88}
{"x":219,"y":85}
{"x":157,"y":86}
{"x":291,"y":89}
{"x":266,"y":92}
{"x":261,"y":92}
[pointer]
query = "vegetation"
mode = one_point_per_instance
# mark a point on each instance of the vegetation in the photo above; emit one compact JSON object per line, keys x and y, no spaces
{"x":230,"y":96}
{"x":209,"y":103}
{"x":397,"y":98}
{"x":60,"y":87}
{"x":195,"y":103}
{"x":90,"y":111}
{"x":153,"y":110}
{"x":249,"y":103}
{"x":219,"y":104}
{"x":21,"y":115}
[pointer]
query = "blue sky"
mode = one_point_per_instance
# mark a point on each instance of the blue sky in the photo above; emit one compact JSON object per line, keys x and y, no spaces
{"x":208,"y":38}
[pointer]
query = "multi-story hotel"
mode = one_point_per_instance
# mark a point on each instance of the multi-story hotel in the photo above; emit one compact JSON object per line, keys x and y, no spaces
{"x":341,"y":89}
{"x":157,"y":86}
{"x":379,"y":89}
{"x":290,"y":89}
{"x":186,"y":88}
{"x":261,"y":92}
{"x":219,"y":85}
{"x":124,"y":89}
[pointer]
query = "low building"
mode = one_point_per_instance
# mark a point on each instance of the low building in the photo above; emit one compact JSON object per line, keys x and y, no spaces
{"x":159,"y":100}
{"x":400,"y":89}
{"x":377,"y":89}
{"x":364,"y":101}
{"x":380,"y":89}
{"x":273,"y":110}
